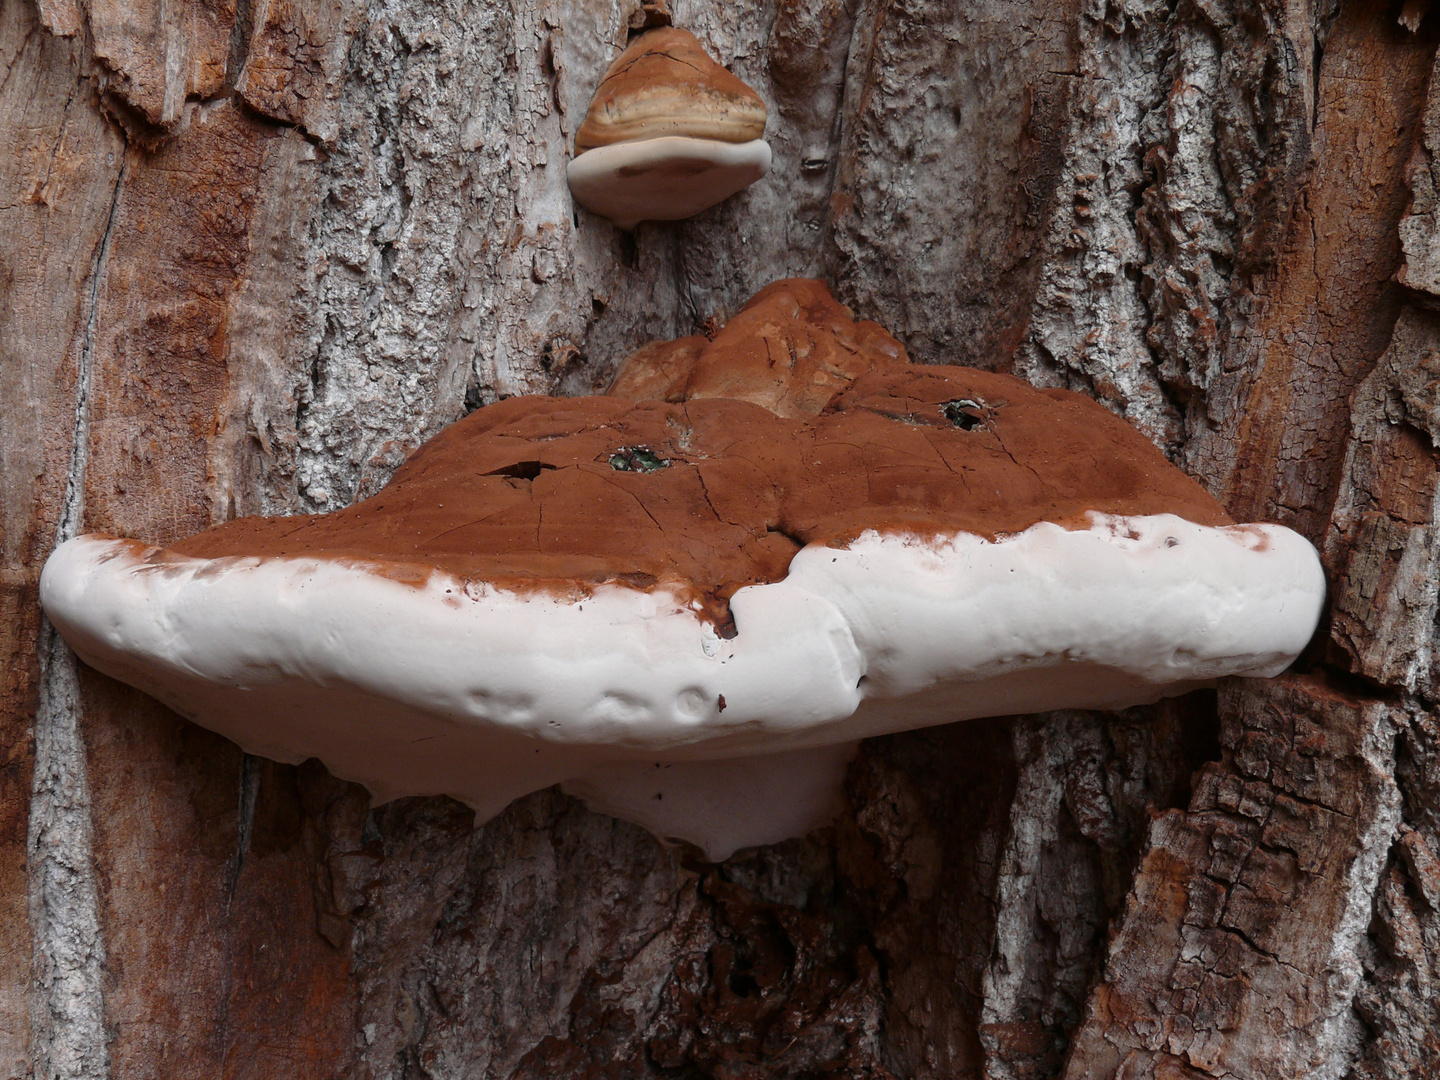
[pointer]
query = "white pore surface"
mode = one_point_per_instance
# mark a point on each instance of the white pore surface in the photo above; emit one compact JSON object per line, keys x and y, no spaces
{"x":486,"y":695}
{"x":720,"y":806}
{"x":664,"y":179}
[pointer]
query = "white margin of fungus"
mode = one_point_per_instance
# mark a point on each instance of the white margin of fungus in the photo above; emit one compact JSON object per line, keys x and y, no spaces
{"x":484,"y":694}
{"x":664,"y":179}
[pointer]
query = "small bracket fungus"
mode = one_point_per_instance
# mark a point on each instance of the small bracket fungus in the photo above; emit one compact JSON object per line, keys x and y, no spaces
{"x":688,"y":612}
{"x":669,"y":133}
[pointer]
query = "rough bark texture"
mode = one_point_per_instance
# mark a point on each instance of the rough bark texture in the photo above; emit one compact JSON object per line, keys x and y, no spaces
{"x":255,"y":252}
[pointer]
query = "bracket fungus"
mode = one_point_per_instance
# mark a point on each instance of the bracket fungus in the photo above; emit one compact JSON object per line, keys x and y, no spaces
{"x":688,"y":612}
{"x":669,"y":133}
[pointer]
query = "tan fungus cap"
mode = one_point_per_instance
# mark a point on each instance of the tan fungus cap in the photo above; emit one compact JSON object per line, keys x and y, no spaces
{"x":665,"y":83}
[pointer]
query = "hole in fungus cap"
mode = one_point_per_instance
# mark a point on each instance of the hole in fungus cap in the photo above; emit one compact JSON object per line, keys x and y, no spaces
{"x":966,"y":414}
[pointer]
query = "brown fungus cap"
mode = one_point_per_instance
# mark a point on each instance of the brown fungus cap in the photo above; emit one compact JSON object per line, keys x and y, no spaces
{"x":711,"y":494}
{"x":665,"y":83}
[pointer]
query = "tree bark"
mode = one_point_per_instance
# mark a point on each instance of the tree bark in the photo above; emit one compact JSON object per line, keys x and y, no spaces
{"x":256,"y":251}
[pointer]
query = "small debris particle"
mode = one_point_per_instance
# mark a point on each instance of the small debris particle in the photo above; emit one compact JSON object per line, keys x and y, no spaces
{"x":637,"y":459}
{"x":720,"y":705}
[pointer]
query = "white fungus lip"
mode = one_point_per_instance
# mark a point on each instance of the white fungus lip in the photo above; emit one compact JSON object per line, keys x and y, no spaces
{"x":632,"y":699}
{"x":664,"y":179}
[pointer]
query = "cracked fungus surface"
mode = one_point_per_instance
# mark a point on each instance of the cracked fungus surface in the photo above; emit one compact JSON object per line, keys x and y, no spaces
{"x":707,"y":496}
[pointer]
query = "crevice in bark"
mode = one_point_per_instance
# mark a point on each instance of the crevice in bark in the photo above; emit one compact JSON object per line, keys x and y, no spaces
{"x":241,"y":33}
{"x":73,"y":508}
{"x":249,"y":111}
{"x":67,"y":1024}
{"x":249,"y":792}
{"x":68,"y":1038}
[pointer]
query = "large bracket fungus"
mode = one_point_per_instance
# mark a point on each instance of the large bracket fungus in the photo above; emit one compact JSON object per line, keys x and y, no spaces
{"x":669,"y":133}
{"x":689,"y":611}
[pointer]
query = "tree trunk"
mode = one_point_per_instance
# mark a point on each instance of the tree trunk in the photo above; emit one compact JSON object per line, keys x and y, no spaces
{"x":255,"y":251}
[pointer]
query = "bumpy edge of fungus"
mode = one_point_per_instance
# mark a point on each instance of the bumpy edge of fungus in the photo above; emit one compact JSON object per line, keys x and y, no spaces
{"x":633,"y":700}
